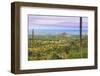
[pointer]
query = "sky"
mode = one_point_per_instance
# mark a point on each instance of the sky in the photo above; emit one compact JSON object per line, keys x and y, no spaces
{"x":56,"y":24}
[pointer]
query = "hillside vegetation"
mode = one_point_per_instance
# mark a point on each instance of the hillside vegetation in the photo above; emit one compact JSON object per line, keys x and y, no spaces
{"x":50,"y":47}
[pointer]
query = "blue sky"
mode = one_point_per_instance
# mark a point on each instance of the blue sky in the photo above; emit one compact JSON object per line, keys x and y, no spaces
{"x":56,"y":24}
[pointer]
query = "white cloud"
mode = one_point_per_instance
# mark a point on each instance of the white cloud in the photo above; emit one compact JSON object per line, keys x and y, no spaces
{"x":46,"y":22}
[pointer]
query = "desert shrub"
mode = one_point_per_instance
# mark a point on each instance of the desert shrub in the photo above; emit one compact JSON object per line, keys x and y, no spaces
{"x":56,"y":47}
